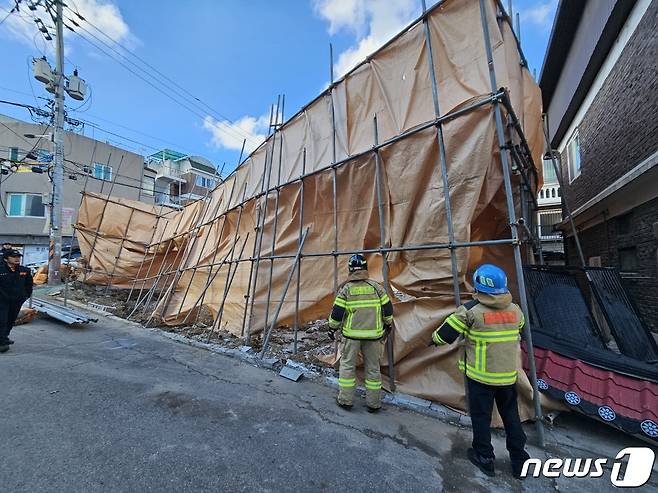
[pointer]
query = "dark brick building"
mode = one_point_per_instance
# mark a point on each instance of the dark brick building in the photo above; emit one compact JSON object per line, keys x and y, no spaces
{"x":600,"y":90}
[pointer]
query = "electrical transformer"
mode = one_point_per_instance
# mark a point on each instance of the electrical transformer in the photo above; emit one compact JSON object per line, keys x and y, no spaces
{"x":42,"y":71}
{"x":76,"y":87}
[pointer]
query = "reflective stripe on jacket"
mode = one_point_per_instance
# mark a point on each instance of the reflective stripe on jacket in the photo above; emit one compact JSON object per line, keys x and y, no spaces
{"x":361,"y":308}
{"x":491,"y":325}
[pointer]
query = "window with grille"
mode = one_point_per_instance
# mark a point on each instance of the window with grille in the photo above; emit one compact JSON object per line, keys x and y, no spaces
{"x":547,"y":222}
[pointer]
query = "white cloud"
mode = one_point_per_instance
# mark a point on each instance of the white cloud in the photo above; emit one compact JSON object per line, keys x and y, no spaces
{"x":103,"y":14}
{"x":227,"y":135}
{"x":540,"y":15}
{"x":372,"y":21}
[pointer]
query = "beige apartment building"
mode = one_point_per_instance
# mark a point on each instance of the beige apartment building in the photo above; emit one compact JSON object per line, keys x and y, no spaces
{"x":26,"y":152}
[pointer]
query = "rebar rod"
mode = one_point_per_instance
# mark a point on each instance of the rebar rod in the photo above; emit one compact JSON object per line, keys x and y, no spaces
{"x":507,"y":182}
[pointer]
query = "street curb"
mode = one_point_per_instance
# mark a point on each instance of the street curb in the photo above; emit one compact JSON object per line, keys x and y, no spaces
{"x":324,"y":376}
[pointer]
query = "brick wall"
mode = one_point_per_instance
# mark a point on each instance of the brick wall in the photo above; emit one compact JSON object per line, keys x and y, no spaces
{"x":620,"y":129}
{"x":633,"y":231}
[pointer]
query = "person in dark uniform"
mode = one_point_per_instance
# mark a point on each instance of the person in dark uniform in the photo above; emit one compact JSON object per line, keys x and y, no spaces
{"x":15,"y":288}
{"x":5,"y":248}
{"x":491,"y":325}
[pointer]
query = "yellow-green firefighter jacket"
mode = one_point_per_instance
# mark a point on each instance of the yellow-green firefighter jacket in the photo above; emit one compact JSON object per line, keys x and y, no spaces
{"x":361,"y":308}
{"x":491,"y":325}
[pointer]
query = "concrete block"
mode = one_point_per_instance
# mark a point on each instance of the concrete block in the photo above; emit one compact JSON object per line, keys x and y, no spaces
{"x":291,"y":373}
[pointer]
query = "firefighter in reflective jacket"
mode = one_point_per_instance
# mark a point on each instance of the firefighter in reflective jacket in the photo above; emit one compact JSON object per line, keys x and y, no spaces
{"x":491,"y":325}
{"x":364,"y":312}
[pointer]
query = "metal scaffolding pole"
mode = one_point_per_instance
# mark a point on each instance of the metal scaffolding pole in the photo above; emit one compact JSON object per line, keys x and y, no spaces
{"x":276,"y":218}
{"x":219,"y":266}
{"x":116,"y":258}
{"x":227,"y":286}
{"x":334,"y":183}
{"x":147,"y":298}
{"x":382,"y":242}
{"x":558,"y":175}
{"x":262,"y":228}
{"x":165,"y":296}
{"x":219,"y":239}
{"x":500,"y":132}
{"x":229,"y":281}
{"x":443,"y":166}
{"x":100,"y":221}
{"x":295,"y":265}
{"x":201,"y":250}
{"x":301,"y":256}
{"x":146,"y":250}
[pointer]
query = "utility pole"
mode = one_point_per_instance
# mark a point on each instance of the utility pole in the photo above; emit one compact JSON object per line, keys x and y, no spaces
{"x":55,"y":250}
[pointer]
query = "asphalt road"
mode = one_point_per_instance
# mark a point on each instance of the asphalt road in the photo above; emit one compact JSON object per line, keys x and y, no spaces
{"x":113,"y":407}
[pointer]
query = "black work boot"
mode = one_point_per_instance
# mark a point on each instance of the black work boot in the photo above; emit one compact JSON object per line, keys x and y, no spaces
{"x":484,"y":464}
{"x":517,"y":466}
{"x":4,"y":349}
{"x":343,"y":404}
{"x":374,"y":409}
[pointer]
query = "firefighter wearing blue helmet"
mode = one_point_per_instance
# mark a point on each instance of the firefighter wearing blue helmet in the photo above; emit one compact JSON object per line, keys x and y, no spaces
{"x":364,"y":314}
{"x":491,"y":326}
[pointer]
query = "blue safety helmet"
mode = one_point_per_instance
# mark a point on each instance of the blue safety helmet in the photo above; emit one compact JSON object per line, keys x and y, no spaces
{"x":357,"y":262}
{"x":490,"y":279}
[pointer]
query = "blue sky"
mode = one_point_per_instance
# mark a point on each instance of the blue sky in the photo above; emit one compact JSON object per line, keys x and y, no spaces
{"x":235,"y":56}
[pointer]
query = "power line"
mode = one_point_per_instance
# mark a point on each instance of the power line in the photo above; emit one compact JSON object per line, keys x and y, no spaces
{"x":163,"y":75}
{"x":181,"y":100}
{"x":176,"y":146}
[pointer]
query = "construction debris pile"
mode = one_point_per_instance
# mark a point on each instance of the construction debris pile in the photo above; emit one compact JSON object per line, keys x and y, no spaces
{"x":420,"y":158}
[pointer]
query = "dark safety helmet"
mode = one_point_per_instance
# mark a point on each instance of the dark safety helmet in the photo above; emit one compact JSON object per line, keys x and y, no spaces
{"x":357,"y":262}
{"x":490,"y":279}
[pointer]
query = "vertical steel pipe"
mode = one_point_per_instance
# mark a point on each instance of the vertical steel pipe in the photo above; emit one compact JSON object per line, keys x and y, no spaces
{"x":299,"y":242}
{"x":507,"y":181}
{"x":379,"y":178}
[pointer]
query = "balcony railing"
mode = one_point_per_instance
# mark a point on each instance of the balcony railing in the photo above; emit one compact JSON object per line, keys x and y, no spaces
{"x":548,"y":233}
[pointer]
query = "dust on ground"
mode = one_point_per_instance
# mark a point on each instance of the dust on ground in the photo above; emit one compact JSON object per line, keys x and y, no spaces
{"x":314,"y":346}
